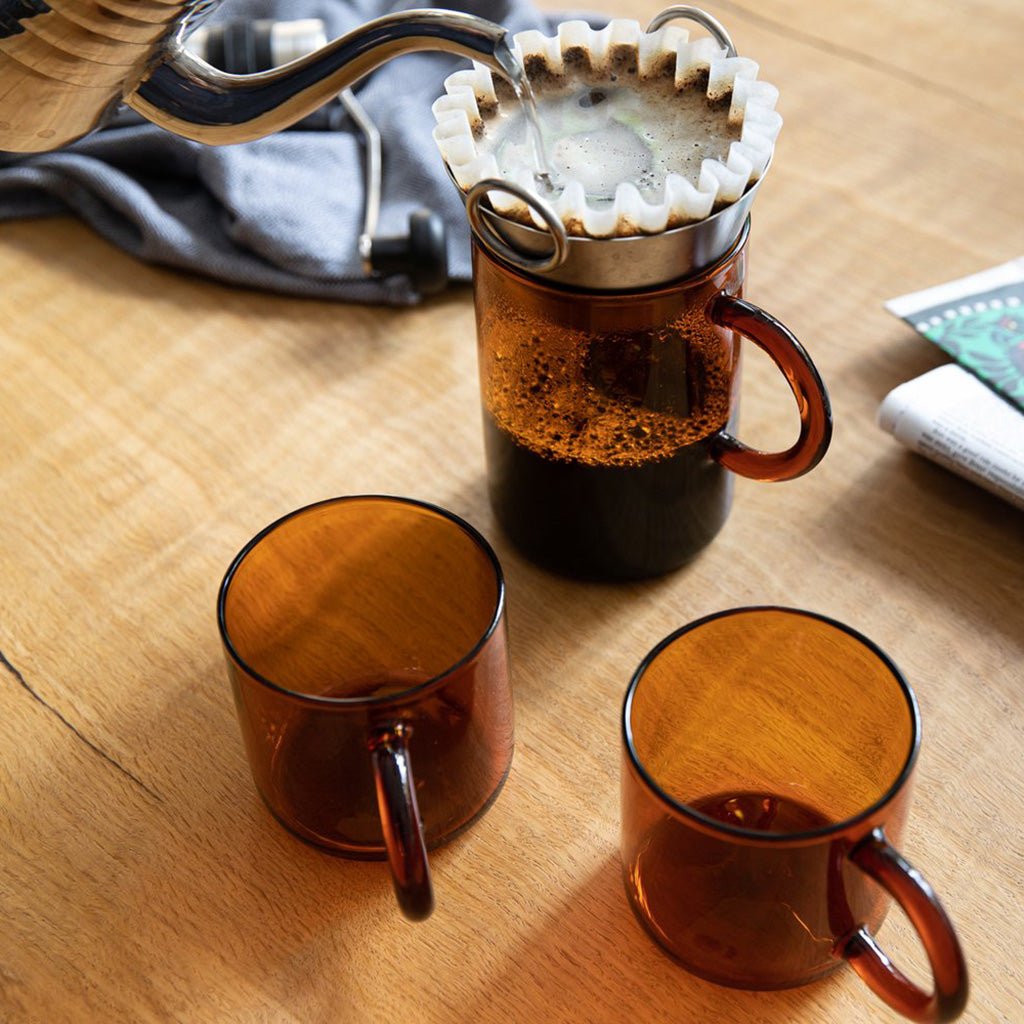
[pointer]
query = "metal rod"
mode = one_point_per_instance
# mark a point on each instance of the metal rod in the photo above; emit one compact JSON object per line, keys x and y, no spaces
{"x":686,"y":12}
{"x":371,"y":138}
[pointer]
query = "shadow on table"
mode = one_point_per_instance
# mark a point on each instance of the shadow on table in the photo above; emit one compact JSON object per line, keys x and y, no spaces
{"x":592,"y":961}
{"x":559,"y":624}
{"x":68,"y":242}
{"x":323,"y":340}
{"x":914,"y":521}
{"x":272,"y":911}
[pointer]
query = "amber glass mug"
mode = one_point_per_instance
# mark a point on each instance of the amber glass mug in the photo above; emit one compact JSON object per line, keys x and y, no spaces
{"x":608,"y":415}
{"x":766,"y":779}
{"x":365,"y":643}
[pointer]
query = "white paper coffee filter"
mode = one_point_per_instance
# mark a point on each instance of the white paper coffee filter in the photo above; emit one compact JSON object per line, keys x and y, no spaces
{"x":479,"y":121}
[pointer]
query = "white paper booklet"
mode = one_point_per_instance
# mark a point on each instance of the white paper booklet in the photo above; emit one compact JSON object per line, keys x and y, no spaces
{"x":952,"y":418}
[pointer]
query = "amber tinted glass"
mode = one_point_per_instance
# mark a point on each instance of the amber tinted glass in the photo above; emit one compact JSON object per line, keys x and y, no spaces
{"x":604,"y":379}
{"x":355,"y":598}
{"x":346,"y":618}
{"x":760,"y":745}
{"x":599,"y":416}
{"x":775,"y":702}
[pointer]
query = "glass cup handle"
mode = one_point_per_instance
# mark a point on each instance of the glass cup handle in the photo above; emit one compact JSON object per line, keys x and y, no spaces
{"x":878,"y":860}
{"x":811,"y":397}
{"x":400,"y":820}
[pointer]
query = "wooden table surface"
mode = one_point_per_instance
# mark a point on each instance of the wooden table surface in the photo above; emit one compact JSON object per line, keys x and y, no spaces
{"x":152,"y":422}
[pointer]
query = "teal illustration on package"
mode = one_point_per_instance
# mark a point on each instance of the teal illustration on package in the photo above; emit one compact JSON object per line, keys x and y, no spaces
{"x":982,"y":328}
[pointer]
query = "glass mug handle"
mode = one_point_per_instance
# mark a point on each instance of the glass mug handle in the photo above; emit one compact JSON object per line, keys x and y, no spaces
{"x":878,"y":860}
{"x":811,"y":397}
{"x":400,"y":820}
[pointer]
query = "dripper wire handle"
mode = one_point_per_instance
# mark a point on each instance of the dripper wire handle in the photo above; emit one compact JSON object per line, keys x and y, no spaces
{"x":686,"y":12}
{"x":489,"y":238}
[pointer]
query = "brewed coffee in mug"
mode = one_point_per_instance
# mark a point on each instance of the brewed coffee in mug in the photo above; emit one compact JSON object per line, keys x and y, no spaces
{"x":608,"y":416}
{"x":608,"y":291}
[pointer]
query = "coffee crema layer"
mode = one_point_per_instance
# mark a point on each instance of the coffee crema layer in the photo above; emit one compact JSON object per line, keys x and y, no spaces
{"x":643,"y":131}
{"x":608,"y":399}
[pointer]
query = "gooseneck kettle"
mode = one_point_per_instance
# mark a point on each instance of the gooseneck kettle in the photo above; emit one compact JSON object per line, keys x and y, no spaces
{"x":65,"y":65}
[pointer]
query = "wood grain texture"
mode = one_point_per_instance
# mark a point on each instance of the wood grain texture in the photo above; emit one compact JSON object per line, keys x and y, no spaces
{"x":152,"y":422}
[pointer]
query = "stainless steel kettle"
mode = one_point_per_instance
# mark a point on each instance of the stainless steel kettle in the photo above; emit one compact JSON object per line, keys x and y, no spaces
{"x":65,"y":65}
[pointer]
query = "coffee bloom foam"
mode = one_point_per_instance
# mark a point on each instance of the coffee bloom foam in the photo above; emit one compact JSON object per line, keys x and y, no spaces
{"x":618,"y":53}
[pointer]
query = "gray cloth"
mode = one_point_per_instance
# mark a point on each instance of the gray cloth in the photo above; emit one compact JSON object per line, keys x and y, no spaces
{"x":280,"y":214}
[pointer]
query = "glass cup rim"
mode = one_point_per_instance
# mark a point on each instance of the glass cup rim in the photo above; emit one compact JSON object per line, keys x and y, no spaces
{"x":402,"y":696}
{"x":734,"y":832}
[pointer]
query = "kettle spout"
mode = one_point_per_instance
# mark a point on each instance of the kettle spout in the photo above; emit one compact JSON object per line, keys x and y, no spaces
{"x":189,"y":97}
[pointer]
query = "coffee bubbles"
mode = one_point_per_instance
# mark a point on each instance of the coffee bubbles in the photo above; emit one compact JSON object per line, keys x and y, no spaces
{"x":643,"y":131}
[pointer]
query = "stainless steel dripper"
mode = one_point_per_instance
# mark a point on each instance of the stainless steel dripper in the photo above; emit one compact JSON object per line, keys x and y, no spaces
{"x":610,"y":264}
{"x":604,"y":264}
{"x":65,"y":65}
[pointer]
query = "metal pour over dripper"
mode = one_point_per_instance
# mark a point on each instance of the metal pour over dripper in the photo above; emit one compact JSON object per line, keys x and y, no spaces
{"x":623,"y":239}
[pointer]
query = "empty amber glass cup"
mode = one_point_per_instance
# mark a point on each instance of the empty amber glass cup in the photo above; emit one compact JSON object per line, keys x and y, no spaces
{"x":767,"y":766}
{"x":366,"y":646}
